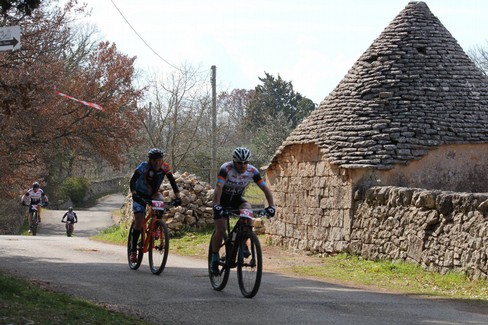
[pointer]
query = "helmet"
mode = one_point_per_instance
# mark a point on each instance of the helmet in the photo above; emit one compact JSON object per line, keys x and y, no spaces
{"x":35,"y":185}
{"x":155,"y":153}
{"x":241,"y":154}
{"x":70,"y":209}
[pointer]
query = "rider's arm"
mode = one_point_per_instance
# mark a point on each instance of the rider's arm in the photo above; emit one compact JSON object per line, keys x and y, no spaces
{"x":262,"y":185}
{"x":172,"y":181}
{"x":218,"y":192}
{"x":76,"y":217}
{"x":64,"y":216}
{"x":133,"y":180}
{"x":268,"y":194}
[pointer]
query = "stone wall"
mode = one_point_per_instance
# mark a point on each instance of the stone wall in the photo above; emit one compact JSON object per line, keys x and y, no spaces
{"x":318,"y":212}
{"x":314,"y":204}
{"x":106,"y":186}
{"x":441,"y":231}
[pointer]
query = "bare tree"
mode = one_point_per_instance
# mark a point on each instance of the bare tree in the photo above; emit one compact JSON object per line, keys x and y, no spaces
{"x":479,"y":55}
{"x":177,"y":115}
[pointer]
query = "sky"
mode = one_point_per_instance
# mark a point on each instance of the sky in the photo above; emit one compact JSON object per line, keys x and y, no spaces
{"x":312,"y":43}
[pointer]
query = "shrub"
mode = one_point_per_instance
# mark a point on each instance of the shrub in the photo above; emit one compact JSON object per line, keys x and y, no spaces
{"x":75,"y":188}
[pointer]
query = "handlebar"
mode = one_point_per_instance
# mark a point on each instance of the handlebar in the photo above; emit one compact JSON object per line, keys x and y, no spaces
{"x":244,"y":213}
{"x":150,"y":202}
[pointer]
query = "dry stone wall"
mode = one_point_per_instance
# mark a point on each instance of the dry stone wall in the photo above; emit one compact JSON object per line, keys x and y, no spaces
{"x":441,"y":231}
{"x":314,"y":210}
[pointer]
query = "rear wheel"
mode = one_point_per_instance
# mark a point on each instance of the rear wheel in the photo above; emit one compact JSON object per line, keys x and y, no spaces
{"x":249,"y":265}
{"x":134,"y":265}
{"x":220,"y":278}
{"x":158,"y":247}
{"x":35,"y":221}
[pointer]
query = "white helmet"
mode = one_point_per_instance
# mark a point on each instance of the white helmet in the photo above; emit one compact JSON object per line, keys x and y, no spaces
{"x":241,"y":154}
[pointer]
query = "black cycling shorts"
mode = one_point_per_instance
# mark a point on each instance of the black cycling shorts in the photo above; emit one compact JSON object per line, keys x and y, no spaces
{"x":230,"y":203}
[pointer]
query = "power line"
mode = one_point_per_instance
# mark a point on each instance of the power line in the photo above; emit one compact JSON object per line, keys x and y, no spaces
{"x":128,"y":23}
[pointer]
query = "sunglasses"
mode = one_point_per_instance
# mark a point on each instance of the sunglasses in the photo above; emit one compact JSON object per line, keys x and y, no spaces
{"x":241,"y":162}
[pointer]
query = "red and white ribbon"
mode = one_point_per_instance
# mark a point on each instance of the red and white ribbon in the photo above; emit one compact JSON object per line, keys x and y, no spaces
{"x":79,"y":101}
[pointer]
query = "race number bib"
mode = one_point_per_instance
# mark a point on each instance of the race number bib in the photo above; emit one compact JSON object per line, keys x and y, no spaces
{"x":157,"y":205}
{"x":246,"y":213}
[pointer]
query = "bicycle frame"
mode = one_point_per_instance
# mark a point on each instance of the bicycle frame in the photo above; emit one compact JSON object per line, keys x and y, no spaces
{"x":242,"y":250}
{"x":238,"y":229}
{"x":154,"y":239}
{"x":34,"y":218}
{"x":152,"y":217}
{"x":70,"y":226}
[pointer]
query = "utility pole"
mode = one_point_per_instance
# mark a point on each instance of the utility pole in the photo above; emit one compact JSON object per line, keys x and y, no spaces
{"x":213,"y":163}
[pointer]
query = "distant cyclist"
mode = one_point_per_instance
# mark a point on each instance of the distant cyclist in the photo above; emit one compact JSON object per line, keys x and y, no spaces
{"x":144,"y":186}
{"x":34,"y":195}
{"x":71,"y":218}
{"x":233,"y":177}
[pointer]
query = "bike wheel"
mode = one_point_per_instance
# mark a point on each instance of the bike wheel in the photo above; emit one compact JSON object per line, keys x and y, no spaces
{"x":134,"y":265}
{"x":219,"y":281}
{"x":158,"y":247}
{"x":35,"y":221}
{"x":249,"y":265}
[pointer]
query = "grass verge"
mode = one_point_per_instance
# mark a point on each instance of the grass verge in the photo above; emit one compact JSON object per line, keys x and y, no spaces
{"x":23,"y":302}
{"x":395,"y":276}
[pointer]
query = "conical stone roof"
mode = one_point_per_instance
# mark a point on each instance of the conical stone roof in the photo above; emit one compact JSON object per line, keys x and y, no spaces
{"x":414,"y":89}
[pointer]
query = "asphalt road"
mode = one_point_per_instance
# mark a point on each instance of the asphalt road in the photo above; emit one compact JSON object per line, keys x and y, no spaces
{"x":182,"y":293}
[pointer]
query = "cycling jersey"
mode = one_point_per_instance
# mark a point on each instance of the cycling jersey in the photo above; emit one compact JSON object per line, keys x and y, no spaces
{"x":35,"y":197}
{"x":235,"y":182}
{"x":70,"y":216}
{"x":146,"y":182}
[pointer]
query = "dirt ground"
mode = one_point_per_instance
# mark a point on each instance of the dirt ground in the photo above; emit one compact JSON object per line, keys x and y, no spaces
{"x":278,"y":258}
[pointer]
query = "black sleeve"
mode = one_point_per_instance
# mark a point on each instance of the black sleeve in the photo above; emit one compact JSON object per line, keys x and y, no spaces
{"x":172,"y":181}
{"x":133,"y":180}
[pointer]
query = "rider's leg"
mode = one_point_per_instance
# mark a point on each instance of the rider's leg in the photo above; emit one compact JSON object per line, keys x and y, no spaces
{"x":138,"y":226}
{"x":29,"y":218}
{"x":220,"y":225}
{"x":246,"y":205}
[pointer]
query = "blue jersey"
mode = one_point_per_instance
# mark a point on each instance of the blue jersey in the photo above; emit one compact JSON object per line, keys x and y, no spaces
{"x":147,"y":181}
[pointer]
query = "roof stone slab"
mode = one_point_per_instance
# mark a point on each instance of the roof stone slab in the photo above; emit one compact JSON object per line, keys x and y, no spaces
{"x":413,"y":90}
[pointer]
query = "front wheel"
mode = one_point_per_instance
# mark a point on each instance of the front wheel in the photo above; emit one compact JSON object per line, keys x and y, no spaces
{"x":158,"y":247}
{"x":219,"y":279}
{"x":35,"y":221}
{"x":134,"y":265}
{"x":69,"y":229}
{"x":249,"y":265}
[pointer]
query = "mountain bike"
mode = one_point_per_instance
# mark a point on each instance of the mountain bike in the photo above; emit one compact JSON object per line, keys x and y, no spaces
{"x":241,"y":249}
{"x":35,"y":218}
{"x":69,"y":227}
{"x":154,"y":238}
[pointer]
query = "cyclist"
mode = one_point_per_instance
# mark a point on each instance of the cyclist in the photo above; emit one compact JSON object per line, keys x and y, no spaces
{"x":34,"y":195}
{"x":233,"y":177}
{"x":144,"y":185}
{"x":71,"y":218}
